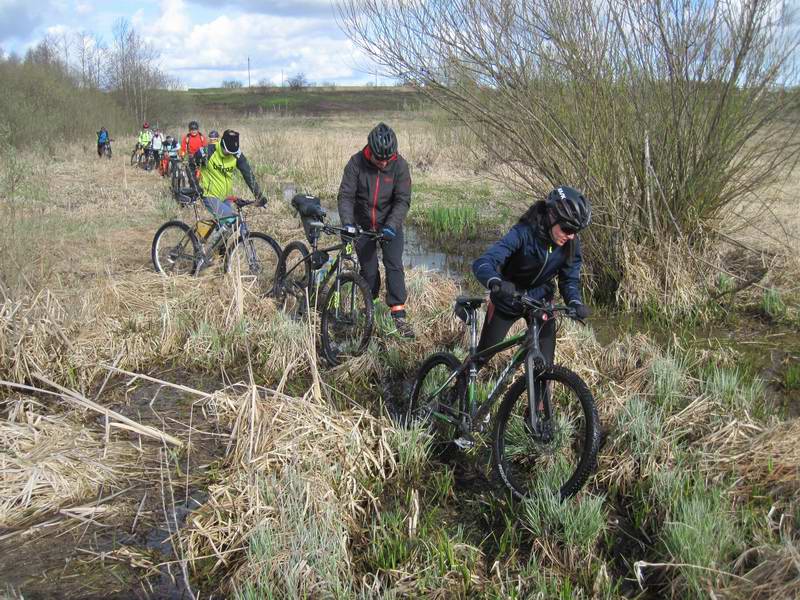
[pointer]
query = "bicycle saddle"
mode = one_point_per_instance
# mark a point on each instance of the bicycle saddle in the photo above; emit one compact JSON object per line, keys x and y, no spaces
{"x":308,"y":207}
{"x":471,"y":302}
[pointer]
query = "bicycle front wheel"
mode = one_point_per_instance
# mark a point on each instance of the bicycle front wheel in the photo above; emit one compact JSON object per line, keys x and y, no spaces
{"x":437,"y":396}
{"x":563,"y":453}
{"x":175,"y":250}
{"x":133,"y":158}
{"x":254,"y":258}
{"x":347,"y":318}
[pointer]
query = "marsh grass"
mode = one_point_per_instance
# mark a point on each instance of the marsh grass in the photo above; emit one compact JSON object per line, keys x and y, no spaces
{"x":734,"y":387}
{"x":700,"y":535}
{"x":791,"y":376}
{"x":772,"y":304}
{"x":576,"y":525}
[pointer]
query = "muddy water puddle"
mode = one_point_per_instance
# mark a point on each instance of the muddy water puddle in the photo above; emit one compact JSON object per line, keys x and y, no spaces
{"x":126,"y":549}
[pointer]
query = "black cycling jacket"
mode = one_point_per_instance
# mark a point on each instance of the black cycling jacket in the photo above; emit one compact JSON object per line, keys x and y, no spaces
{"x":528,"y":257}
{"x":374,"y":198}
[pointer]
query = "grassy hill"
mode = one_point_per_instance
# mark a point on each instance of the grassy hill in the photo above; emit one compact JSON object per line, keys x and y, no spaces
{"x":308,"y":101}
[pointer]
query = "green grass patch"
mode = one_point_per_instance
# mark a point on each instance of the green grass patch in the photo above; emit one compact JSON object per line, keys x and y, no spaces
{"x":772,"y":304}
{"x":791,"y":377}
{"x":734,"y":387}
{"x":575,"y":523}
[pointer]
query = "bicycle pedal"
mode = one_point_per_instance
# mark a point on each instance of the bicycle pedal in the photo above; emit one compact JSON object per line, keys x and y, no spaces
{"x":465,"y":442}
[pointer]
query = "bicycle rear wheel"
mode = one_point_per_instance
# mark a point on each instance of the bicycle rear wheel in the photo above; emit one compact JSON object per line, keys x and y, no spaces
{"x":437,"y":396}
{"x":175,"y":250}
{"x":254,"y":258}
{"x":133,"y":158}
{"x":563,"y":455}
{"x":293,"y":278}
{"x":347,"y":318}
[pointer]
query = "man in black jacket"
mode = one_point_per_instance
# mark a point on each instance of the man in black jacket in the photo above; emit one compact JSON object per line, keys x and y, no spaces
{"x":375,"y":194}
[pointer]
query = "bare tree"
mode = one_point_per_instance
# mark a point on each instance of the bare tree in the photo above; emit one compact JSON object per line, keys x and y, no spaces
{"x":232,"y":84}
{"x":132,"y":70}
{"x":298,"y":81}
{"x":574,"y":91}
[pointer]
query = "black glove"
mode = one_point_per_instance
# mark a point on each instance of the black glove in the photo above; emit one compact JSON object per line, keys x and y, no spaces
{"x":581,"y":310}
{"x":502,"y":287}
{"x":261,"y":201}
{"x":350,"y":231}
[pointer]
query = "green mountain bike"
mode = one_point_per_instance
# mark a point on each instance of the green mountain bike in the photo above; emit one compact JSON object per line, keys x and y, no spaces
{"x":546,"y":428}
{"x":310,"y":279}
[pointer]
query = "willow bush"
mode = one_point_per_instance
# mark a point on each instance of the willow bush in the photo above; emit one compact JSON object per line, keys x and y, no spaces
{"x":664,"y":112}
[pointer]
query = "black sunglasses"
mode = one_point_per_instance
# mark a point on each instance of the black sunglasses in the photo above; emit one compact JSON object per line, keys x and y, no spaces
{"x":568,"y":229}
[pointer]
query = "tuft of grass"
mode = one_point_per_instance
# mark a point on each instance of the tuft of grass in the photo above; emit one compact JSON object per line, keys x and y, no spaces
{"x":577,"y":524}
{"x":669,"y":379}
{"x":307,"y":555}
{"x":733,"y":387}
{"x":642,"y":424}
{"x":791,"y":377}
{"x":700,"y":534}
{"x":445,"y":221}
{"x":772,"y":304}
{"x":412,"y":447}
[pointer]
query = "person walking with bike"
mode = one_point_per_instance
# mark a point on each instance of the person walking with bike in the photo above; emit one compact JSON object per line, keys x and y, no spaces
{"x":192,"y":141}
{"x":103,"y":138}
{"x":145,"y":136}
{"x":543,"y":245}
{"x":375,"y":194}
{"x":217,"y":164}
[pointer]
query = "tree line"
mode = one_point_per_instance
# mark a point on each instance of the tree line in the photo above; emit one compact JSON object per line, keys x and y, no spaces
{"x":71,"y":84}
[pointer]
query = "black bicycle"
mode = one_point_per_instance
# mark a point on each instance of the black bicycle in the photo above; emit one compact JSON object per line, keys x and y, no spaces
{"x":307,"y":280}
{"x":180,"y":249}
{"x":546,"y":430}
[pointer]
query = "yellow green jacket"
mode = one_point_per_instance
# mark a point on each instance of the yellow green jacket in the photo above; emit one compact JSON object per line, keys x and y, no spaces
{"x":145,"y":135}
{"x":216,"y":176}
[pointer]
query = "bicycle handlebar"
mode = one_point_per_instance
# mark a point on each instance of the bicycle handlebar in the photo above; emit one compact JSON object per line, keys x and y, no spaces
{"x":334,"y":230}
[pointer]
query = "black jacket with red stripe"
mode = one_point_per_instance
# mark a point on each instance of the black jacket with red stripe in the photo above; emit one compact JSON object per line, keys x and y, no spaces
{"x":374,"y":198}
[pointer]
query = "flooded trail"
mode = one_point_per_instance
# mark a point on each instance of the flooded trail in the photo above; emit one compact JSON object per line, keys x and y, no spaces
{"x":122,"y":546}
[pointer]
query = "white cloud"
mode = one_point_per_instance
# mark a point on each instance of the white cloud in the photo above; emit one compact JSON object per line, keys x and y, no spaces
{"x":202,"y":54}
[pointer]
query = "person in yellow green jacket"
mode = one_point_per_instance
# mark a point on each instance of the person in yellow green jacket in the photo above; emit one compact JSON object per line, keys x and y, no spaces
{"x":145,"y":135}
{"x":217,"y":163}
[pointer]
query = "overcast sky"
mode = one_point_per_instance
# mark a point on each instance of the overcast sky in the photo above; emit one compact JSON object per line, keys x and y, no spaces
{"x":203,"y":42}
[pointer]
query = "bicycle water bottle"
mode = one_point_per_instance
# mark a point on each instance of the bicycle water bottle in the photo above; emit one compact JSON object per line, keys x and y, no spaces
{"x":322,"y":272}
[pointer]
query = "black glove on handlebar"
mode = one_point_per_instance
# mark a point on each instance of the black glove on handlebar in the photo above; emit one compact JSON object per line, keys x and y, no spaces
{"x":581,"y":310}
{"x":505,"y":288}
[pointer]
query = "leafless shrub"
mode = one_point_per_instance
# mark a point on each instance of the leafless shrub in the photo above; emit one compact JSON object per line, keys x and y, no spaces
{"x":664,"y":112}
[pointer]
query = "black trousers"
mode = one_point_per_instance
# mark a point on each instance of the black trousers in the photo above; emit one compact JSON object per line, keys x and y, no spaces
{"x":392,"y":251}
{"x":497,"y":324}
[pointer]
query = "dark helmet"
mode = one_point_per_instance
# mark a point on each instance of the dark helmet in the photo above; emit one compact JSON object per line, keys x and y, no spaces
{"x":169,"y":139}
{"x":194,"y":125}
{"x":382,"y":142}
{"x":569,"y":208}
{"x":213,"y":134}
{"x":230,"y":141}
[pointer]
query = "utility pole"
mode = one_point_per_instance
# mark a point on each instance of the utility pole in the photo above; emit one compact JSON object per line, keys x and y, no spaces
{"x":281,"y":77}
{"x":248,"y":72}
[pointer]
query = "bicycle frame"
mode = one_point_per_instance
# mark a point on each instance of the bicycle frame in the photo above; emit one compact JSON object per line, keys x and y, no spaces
{"x":472,"y":417}
{"x":345,"y":254}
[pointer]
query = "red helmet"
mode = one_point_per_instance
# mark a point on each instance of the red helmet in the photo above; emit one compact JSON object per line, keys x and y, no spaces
{"x":146,"y":125}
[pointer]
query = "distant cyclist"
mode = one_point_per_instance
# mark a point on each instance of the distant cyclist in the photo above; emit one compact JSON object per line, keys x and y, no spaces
{"x":145,"y":135}
{"x":217,"y":164}
{"x":543,"y":245}
{"x":213,"y":137}
{"x":156,"y":144}
{"x":375,"y":194}
{"x":192,"y":141}
{"x":103,"y":138}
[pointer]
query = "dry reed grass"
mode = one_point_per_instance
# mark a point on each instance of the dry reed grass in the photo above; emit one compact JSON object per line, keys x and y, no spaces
{"x":336,"y":456}
{"x":49,"y":462}
{"x":763,"y":459}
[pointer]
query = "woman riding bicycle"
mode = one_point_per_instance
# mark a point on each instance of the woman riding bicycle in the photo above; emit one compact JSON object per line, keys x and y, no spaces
{"x":542,"y":245}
